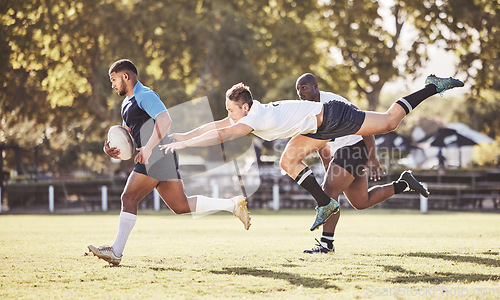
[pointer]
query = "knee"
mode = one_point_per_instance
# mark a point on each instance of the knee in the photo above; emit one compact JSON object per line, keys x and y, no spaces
{"x":284,"y":163}
{"x":129,"y":202}
{"x":288,"y":161}
{"x":392,"y":125}
{"x":392,"y":122}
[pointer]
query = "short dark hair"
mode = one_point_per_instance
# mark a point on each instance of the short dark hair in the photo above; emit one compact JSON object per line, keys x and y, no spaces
{"x":241,"y":94}
{"x":308,"y":78}
{"x":122,"y":65}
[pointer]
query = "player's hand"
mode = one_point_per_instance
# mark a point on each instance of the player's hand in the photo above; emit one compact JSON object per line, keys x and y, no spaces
{"x":177,"y":137}
{"x":172,"y":146}
{"x":374,"y":169}
{"x":111,"y":151}
{"x":143,"y":156}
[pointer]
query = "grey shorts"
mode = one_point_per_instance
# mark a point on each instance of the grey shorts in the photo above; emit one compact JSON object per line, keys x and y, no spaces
{"x":339,"y":119}
{"x":162,"y":167}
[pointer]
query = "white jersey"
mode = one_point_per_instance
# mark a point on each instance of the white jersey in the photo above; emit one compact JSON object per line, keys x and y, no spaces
{"x":282,"y":119}
{"x":343,"y":141}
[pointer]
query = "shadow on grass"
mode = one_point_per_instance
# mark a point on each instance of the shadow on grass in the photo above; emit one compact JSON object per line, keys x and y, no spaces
{"x":491,"y":262}
{"x":166,"y":269}
{"x":397,"y":269}
{"x":436,"y":277}
{"x":158,"y":269}
{"x":290,"y":277}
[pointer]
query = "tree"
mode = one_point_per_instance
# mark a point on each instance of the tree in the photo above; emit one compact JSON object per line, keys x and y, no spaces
{"x":54,"y":56}
{"x":472,"y":30}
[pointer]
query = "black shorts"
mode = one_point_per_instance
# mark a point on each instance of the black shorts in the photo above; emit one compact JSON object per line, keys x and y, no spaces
{"x":353,"y":158}
{"x":161,"y":167}
{"x":339,"y":119}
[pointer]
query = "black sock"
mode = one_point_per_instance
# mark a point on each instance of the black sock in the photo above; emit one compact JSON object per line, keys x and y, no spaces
{"x":307,"y":180}
{"x":327,"y":237}
{"x":411,"y":101}
{"x":399,"y":186}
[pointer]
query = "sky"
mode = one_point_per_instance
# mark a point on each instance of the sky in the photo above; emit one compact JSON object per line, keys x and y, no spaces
{"x":441,"y":63}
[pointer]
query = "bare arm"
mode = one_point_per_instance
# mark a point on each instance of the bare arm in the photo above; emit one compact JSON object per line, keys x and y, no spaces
{"x":373,"y":164}
{"x":212,"y":137}
{"x":161,"y":128}
{"x":326,"y":156}
{"x":178,"y":137}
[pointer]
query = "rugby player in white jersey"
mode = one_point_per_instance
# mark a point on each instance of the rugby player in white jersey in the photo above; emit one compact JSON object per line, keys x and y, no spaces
{"x":310,"y":124}
{"x":349,"y":161}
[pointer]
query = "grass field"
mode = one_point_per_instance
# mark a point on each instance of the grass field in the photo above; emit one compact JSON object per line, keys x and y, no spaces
{"x":379,"y":253}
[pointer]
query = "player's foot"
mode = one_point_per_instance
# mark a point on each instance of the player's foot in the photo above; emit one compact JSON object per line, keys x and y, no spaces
{"x":443,"y":84}
{"x":106,"y":253}
{"x":320,"y":248}
{"x":413,"y":184}
{"x":324,"y":212}
{"x":240,"y":211}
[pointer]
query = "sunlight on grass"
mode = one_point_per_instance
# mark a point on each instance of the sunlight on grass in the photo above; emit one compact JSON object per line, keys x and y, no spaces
{"x":378,"y":254}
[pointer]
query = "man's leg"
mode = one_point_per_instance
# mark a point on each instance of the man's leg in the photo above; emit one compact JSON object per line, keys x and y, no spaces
{"x":361,"y":197}
{"x":291,"y":161}
{"x":377,"y":123}
{"x":337,"y":179}
{"x":137,"y":187}
{"x":173,"y":194}
{"x":295,"y":151}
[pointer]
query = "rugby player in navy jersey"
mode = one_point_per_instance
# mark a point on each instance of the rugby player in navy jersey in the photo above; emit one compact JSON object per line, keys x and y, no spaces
{"x":148,"y":121}
{"x":310,"y":125}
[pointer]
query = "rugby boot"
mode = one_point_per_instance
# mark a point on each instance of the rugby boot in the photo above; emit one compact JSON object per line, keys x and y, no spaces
{"x":413,"y":184}
{"x":320,"y":248}
{"x":324,"y":212}
{"x":443,"y":84}
{"x":105,"y":253}
{"x":241,"y":212}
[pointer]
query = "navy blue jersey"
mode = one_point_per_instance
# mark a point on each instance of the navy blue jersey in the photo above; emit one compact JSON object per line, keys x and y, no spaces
{"x":145,"y":105}
{"x":139,"y":113}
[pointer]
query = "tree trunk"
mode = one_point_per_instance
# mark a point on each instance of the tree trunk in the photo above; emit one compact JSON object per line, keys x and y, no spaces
{"x":373,"y":97}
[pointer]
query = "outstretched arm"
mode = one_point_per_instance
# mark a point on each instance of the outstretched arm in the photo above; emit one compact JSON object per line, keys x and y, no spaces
{"x":179,"y":137}
{"x":212,"y":137}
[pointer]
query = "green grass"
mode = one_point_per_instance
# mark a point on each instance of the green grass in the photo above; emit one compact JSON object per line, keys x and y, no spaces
{"x":379,"y":253}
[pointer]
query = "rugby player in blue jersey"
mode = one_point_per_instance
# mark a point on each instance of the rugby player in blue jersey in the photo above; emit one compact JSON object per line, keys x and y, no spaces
{"x":148,"y":121}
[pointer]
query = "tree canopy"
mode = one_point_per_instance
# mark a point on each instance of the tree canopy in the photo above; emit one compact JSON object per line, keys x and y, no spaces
{"x":54,"y":56}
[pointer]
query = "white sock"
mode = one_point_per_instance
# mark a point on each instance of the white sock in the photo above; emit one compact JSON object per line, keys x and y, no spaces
{"x":206,"y":204}
{"x":127,"y":222}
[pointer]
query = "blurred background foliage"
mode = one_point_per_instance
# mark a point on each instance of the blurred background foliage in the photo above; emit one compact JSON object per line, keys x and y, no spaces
{"x":55,"y":95}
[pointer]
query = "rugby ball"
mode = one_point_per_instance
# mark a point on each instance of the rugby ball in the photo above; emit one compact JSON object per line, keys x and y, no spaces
{"x":120,"y":138}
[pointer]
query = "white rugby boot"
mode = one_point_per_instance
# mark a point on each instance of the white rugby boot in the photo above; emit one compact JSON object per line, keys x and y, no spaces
{"x":240,"y":211}
{"x":105,"y":253}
